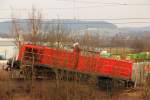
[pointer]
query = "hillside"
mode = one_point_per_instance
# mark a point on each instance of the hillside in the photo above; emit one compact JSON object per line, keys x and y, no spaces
{"x":73,"y":25}
{"x":80,"y":26}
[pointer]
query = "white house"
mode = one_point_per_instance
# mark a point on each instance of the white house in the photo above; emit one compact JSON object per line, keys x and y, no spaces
{"x":8,"y":48}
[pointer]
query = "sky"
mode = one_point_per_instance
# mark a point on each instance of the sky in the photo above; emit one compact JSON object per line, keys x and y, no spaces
{"x":120,"y":12}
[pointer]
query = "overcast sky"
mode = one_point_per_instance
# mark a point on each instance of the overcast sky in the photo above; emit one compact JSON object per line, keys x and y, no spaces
{"x":82,"y":9}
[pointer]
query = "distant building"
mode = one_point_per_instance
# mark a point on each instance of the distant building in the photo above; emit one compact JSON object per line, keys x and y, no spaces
{"x":100,"y":31}
{"x":8,"y":48}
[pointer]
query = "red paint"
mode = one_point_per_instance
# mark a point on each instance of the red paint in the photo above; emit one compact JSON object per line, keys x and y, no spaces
{"x":75,"y":61}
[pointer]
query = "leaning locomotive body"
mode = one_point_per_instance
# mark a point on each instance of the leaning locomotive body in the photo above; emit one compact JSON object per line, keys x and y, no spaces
{"x":75,"y":62}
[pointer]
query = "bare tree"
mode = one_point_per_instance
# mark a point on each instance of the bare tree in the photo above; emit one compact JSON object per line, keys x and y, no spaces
{"x":16,"y":31}
{"x":35,"y":25}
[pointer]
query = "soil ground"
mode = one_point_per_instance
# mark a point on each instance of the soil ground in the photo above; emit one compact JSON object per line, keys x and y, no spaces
{"x":19,"y":89}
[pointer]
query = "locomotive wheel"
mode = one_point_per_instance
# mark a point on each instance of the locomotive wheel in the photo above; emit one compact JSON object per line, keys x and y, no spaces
{"x":26,"y":71}
{"x":92,"y":81}
{"x":106,"y":84}
{"x":129,"y":84}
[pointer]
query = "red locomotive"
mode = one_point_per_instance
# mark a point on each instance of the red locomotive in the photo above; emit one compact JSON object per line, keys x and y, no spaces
{"x":75,"y":62}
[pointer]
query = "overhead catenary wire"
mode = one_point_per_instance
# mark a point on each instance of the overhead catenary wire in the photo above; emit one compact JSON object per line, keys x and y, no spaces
{"x":123,"y":18}
{"x":91,"y":4}
{"x":109,"y":3}
{"x":54,"y":22}
{"x":94,"y":5}
{"x":99,"y":19}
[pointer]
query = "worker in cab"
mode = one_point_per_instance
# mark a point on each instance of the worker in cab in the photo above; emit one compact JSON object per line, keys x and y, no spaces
{"x":76,"y":47}
{"x":76,"y":52}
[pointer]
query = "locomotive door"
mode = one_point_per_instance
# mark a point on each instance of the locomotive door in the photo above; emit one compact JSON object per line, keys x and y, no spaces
{"x":33,"y":54}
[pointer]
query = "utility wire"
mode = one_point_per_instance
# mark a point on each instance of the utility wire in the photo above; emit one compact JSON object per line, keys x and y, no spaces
{"x":109,"y":3}
{"x":53,"y":22}
{"x":80,"y":7}
{"x":129,"y":18}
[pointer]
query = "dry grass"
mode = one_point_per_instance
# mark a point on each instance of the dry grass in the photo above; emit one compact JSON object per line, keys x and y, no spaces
{"x":49,"y":90}
{"x":146,"y":89}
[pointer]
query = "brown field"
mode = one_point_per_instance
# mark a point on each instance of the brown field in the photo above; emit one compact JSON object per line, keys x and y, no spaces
{"x":19,"y":89}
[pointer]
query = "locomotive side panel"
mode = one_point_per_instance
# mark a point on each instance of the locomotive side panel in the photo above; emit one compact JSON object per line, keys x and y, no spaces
{"x":21,"y":53}
{"x":77,"y":62}
{"x":122,"y":69}
{"x":114,"y":68}
{"x":87,"y":64}
{"x":104,"y":67}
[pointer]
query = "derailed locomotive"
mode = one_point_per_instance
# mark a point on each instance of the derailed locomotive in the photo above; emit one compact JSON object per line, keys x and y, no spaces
{"x":52,"y":60}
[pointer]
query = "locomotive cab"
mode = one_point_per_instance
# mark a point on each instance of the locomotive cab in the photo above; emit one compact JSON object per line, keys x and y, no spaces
{"x":12,"y":64}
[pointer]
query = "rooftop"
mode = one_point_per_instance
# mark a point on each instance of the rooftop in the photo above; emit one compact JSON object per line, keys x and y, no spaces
{"x":7,"y":42}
